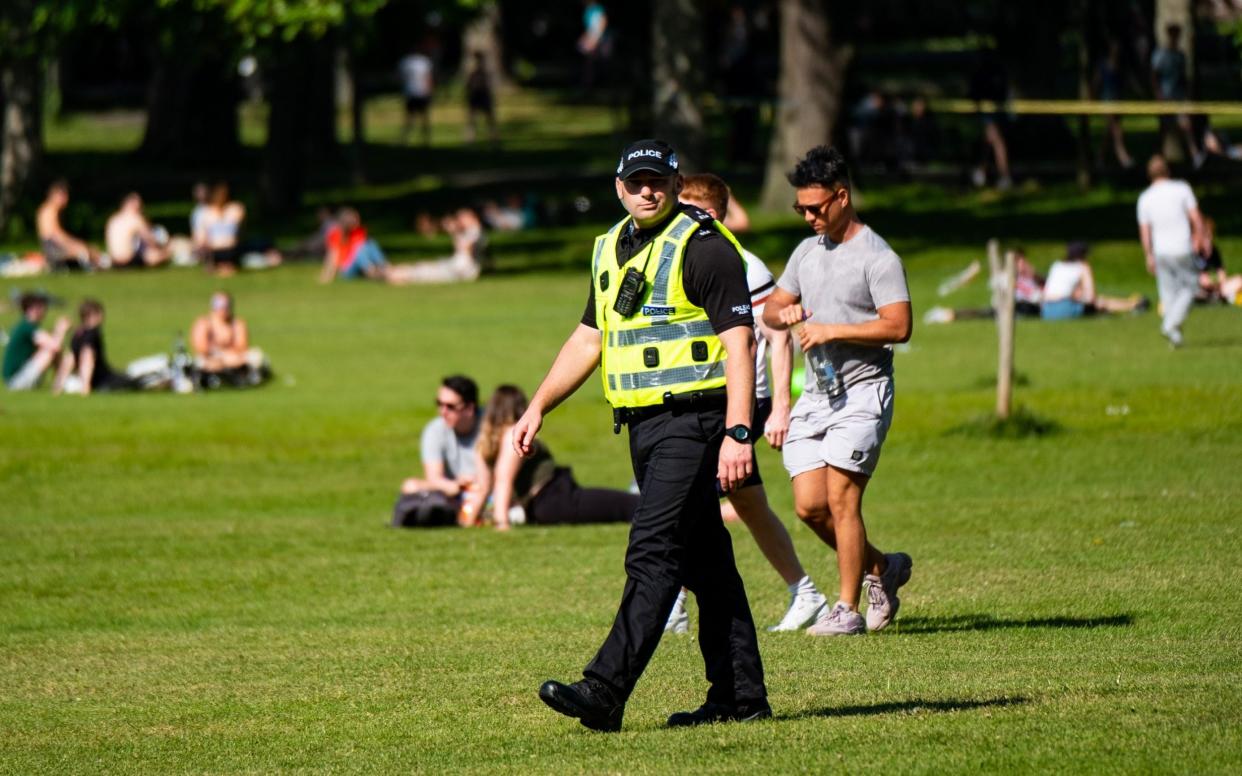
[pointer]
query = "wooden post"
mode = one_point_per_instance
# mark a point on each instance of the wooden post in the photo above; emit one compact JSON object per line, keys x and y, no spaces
{"x":1002,"y":303}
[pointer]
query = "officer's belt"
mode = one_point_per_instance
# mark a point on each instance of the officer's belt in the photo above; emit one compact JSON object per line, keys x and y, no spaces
{"x":676,"y":403}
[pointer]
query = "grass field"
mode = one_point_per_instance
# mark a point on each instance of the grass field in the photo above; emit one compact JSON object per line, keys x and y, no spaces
{"x":206,"y":583}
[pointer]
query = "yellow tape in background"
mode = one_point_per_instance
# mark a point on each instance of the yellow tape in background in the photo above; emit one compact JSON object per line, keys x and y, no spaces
{"x":1088,"y":107}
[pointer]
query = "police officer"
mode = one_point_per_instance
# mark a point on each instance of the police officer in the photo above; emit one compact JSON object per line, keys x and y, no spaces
{"x":668,"y":319}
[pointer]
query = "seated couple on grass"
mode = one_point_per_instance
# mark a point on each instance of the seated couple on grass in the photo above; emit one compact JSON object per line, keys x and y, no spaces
{"x":472,"y":476}
{"x":352,"y":253}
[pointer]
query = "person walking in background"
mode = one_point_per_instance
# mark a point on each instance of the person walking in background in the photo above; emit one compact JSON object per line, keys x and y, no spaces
{"x":532,"y":489}
{"x":417,"y":85}
{"x":1171,"y":232}
{"x":846,"y":290}
{"x":668,"y":317}
{"x":1106,"y":86}
{"x":30,"y":350}
{"x":749,"y":502}
{"x":594,"y":44}
{"x":1168,"y":84}
{"x":480,"y":100}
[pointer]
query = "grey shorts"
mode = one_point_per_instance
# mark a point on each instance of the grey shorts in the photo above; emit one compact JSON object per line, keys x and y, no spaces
{"x":846,"y":432}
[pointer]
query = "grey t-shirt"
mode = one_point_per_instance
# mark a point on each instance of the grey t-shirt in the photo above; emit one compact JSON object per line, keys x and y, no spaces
{"x":440,"y":443}
{"x":846,"y":283}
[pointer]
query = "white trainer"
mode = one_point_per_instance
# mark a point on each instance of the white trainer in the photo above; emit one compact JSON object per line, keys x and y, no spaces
{"x":841,"y":621}
{"x":804,"y":609}
{"x":679,"y":618}
{"x":882,"y":600}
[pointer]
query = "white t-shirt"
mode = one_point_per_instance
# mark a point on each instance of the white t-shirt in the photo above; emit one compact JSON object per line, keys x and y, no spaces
{"x":760,"y":281}
{"x":1063,"y":278}
{"x":416,"y":76}
{"x":1165,"y":207}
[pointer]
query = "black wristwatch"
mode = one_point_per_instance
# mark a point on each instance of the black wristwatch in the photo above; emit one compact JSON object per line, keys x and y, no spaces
{"x":739,"y":433}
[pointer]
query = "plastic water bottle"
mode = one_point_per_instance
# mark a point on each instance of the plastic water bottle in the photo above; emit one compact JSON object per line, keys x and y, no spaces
{"x":181,"y":363}
{"x":821,"y":367}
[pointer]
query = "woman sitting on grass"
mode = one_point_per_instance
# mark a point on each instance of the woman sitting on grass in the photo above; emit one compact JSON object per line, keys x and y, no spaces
{"x":1069,"y":291}
{"x":546,"y":492}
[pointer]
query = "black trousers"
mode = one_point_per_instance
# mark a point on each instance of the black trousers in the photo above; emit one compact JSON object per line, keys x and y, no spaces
{"x":563,"y":501}
{"x":677,"y":538}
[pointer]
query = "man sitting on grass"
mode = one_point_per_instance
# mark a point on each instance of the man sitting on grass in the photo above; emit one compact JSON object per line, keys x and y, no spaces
{"x":30,"y":350}
{"x":448,"y":455}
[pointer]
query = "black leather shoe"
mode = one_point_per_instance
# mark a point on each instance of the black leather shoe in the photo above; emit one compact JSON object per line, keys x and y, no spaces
{"x":590,"y":701}
{"x":710,"y":713}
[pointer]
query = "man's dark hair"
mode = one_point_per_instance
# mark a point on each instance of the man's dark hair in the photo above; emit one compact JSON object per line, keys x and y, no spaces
{"x":822,"y":166}
{"x":30,"y":300}
{"x":89,"y":307}
{"x":464,"y":387}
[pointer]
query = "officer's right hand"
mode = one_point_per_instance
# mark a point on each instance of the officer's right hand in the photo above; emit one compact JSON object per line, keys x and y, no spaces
{"x":525,"y":429}
{"x":792,"y":314}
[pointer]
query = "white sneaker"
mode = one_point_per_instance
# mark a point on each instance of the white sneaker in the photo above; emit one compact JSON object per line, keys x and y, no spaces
{"x":804,"y":609}
{"x":1174,"y":336}
{"x":938,"y":315}
{"x":882,"y":600}
{"x":679,"y":618}
{"x":841,"y":621}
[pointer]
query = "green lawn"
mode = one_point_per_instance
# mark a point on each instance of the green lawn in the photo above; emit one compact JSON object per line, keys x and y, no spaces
{"x":206,"y":583}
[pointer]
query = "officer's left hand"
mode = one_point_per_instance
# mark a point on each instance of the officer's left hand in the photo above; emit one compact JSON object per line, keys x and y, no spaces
{"x":736,"y":464}
{"x":812,"y":334}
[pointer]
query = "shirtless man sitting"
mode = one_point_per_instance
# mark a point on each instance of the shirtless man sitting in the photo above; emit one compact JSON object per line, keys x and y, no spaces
{"x":61,"y":249}
{"x":130,"y":239}
{"x":221,"y":341}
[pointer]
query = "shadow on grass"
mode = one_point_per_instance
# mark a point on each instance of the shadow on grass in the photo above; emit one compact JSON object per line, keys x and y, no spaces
{"x":1021,"y":424}
{"x":986,"y":622}
{"x":909,"y":707}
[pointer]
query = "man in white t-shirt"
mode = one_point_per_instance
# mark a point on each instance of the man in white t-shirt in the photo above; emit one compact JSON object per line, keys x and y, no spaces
{"x":749,"y":501}
{"x":417,"y":84}
{"x":1171,"y":231}
{"x":845,"y":291}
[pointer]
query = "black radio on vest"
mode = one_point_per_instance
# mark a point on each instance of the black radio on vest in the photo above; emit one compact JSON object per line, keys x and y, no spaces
{"x":631,"y":291}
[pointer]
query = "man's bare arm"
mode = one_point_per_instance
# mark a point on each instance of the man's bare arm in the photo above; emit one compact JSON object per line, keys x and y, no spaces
{"x":736,"y":458}
{"x":781,"y":347}
{"x":780,"y":308}
{"x":894,"y":325}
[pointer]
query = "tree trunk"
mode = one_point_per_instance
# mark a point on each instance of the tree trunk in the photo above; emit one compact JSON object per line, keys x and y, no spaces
{"x":812,"y":79}
{"x":21,"y":143}
{"x":191,"y":107}
{"x":677,"y":78}
{"x":301,"y":121}
{"x":483,"y":33}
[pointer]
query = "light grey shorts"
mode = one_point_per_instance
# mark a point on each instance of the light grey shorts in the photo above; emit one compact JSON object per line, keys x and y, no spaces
{"x":846,"y":432}
{"x":27,"y":377}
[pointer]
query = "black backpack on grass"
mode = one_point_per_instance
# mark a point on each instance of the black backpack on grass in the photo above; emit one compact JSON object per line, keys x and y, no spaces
{"x":425,"y":509}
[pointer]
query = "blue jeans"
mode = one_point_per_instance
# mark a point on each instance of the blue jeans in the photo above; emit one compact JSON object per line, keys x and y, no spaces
{"x":368,"y":257}
{"x":1062,"y":310}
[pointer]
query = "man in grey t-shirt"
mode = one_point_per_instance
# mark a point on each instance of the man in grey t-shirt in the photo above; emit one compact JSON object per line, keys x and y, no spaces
{"x":844,"y":292}
{"x":447,"y":444}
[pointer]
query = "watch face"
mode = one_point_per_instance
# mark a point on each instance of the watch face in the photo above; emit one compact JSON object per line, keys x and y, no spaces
{"x":740,"y":433}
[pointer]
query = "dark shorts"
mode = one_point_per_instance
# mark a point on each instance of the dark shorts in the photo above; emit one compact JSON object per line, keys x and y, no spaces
{"x":417,"y":104}
{"x":480,"y":101}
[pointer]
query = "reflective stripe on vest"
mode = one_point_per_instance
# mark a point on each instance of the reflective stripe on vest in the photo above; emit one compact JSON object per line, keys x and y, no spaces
{"x":668,"y":345}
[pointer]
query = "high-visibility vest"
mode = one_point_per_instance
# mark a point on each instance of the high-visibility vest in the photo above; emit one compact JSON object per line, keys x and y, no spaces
{"x":668,"y":345}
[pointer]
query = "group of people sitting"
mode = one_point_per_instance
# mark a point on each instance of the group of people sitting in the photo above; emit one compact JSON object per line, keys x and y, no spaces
{"x":131,"y":241}
{"x":473,"y":476}
{"x":351,"y":253}
{"x":1068,"y":291}
{"x":220,"y":354}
